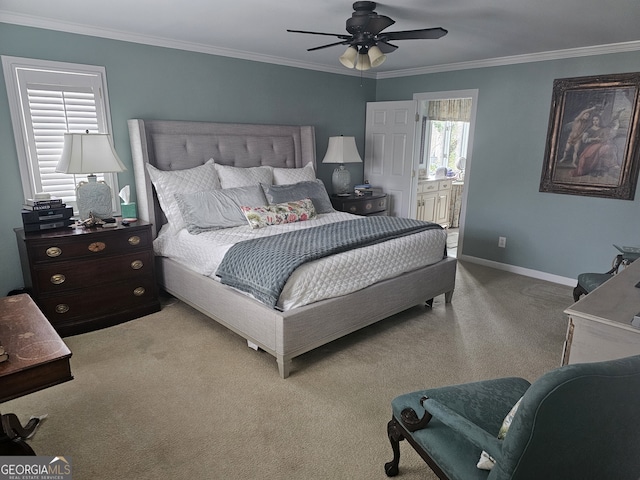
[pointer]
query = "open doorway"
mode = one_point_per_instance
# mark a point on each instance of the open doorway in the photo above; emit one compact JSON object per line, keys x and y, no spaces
{"x":446,"y":125}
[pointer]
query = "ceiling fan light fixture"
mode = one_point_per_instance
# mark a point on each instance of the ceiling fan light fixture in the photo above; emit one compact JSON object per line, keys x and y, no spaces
{"x":349,"y":57}
{"x":363,"y":62}
{"x":376,"y":57}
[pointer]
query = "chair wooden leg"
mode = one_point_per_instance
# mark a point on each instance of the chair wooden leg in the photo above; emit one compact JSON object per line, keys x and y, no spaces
{"x":578,"y":292}
{"x":395,"y":436}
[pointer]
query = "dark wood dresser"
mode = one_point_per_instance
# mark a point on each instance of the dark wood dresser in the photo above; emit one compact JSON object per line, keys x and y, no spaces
{"x":375,"y":204}
{"x":86,"y":279}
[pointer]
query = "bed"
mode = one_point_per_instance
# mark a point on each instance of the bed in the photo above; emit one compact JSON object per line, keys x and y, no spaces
{"x":285,"y":333}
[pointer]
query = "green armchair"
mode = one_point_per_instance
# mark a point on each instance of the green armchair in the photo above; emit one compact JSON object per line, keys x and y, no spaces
{"x":576,"y":422}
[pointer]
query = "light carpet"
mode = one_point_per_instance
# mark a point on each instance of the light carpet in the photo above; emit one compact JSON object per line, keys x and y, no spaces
{"x":174,"y":395}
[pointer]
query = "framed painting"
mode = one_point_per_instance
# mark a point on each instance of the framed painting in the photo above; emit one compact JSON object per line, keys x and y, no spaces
{"x":593,"y":144}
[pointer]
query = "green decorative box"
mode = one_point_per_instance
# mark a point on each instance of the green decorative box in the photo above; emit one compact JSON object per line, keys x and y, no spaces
{"x":129,"y":211}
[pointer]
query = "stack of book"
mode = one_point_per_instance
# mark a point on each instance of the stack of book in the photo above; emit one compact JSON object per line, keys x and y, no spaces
{"x":45,"y":214}
{"x":46,"y":204}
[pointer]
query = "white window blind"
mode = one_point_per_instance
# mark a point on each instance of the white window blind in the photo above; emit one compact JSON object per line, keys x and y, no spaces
{"x":53,"y":111}
{"x":47,"y":100}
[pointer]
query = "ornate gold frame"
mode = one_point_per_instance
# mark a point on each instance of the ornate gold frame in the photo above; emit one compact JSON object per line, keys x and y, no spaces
{"x":588,"y":156}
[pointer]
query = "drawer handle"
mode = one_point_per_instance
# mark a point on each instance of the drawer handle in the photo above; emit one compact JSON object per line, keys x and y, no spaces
{"x":58,"y":278}
{"x":134,"y":240}
{"x":97,"y":247}
{"x":62,"y":308}
{"x":368,"y":206}
{"x":138,"y":292}
{"x":353,"y":208}
{"x":137,"y":264}
{"x":54,"y":252}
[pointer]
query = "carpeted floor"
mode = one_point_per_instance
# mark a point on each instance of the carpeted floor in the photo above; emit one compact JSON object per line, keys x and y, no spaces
{"x":176,"y":396}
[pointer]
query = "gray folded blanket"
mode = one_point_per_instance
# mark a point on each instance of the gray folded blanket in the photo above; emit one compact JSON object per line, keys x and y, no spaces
{"x":262,"y":266}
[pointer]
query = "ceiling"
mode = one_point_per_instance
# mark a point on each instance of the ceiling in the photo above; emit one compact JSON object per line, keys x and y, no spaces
{"x":481,"y":32}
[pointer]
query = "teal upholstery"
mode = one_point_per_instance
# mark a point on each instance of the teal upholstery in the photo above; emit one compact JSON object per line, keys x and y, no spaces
{"x":588,"y":282}
{"x":576,"y":422}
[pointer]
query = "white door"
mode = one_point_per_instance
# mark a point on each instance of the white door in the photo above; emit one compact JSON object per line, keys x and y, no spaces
{"x":388,"y":153}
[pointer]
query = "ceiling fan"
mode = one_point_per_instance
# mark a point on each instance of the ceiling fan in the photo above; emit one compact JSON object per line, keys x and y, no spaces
{"x":367,"y":41}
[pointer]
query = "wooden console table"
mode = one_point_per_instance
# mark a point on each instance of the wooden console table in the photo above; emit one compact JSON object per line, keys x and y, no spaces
{"x":600,"y":323}
{"x":38,"y":359}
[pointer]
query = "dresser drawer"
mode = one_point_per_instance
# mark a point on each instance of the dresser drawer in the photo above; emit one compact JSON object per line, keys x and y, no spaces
{"x":95,"y":245}
{"x":109,"y":299}
{"x":60,"y":277}
{"x":425,"y":187}
{"x":86,"y":279}
{"x":364,"y":205}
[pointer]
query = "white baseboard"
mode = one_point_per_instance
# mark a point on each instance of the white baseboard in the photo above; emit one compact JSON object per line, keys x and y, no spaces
{"x":527,"y":272}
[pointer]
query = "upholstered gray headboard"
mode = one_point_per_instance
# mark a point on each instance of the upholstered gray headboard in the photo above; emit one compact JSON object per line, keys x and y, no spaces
{"x":176,"y":145}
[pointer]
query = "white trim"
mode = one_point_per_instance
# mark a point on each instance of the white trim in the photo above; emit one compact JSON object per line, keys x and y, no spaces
{"x":10,"y":66}
{"x":38,"y":22}
{"x":527,"y":272}
{"x":516,"y":59}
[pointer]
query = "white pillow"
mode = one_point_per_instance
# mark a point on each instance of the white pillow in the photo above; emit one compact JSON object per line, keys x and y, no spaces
{"x":486,"y":461}
{"x":233,"y":177}
{"x":190,"y":180}
{"x":285,"y":176}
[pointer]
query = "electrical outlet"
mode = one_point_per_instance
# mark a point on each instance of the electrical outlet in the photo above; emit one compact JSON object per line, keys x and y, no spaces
{"x":502,"y":242}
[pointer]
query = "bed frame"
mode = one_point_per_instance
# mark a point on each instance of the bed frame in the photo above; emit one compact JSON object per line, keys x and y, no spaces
{"x":175,"y":145}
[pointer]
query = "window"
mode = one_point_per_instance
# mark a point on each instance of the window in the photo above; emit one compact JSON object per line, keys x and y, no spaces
{"x":445,"y":134}
{"x":447,"y":143}
{"x":47,"y":100}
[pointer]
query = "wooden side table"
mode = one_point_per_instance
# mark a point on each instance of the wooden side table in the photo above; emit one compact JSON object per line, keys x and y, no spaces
{"x":375,"y":204}
{"x":38,"y":359}
{"x":85,"y":279}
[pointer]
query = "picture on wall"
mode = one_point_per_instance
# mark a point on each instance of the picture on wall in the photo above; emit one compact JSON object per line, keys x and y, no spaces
{"x":592,"y":141}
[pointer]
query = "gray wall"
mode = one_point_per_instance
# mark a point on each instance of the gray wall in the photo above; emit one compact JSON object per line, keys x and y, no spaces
{"x":557,"y":234}
{"x":161,"y":83}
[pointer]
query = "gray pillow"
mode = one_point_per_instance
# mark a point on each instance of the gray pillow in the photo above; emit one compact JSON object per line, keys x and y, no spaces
{"x":216,"y":209}
{"x":297,"y":191}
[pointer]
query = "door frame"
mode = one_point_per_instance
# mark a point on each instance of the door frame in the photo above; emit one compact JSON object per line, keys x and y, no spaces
{"x":443,"y":95}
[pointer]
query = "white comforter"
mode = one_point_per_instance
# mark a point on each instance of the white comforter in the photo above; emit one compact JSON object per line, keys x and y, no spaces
{"x":328,"y":277}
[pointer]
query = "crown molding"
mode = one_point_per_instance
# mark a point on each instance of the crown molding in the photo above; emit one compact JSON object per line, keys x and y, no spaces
{"x":58,"y":25}
{"x":68,"y":27}
{"x":516,"y":59}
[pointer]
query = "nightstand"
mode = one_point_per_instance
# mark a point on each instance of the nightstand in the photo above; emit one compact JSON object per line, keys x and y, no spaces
{"x":87,"y":279}
{"x":375,"y":204}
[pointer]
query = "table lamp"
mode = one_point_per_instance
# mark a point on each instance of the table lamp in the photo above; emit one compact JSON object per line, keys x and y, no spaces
{"x":87,"y":153}
{"x":342,"y":150}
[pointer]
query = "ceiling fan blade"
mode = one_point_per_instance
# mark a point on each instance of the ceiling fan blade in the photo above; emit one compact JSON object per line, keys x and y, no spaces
{"x":386,"y":47}
{"x":426,"y":33}
{"x":344,"y":42}
{"x":339,"y":35}
{"x":378,"y":23}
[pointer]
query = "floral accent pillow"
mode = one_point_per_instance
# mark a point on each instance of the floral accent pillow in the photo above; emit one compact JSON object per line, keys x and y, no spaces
{"x":280,"y":213}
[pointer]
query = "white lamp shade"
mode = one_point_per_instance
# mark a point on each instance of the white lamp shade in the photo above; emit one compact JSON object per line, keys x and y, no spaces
{"x":376,"y":57}
{"x":342,"y":150}
{"x":348,"y":58}
{"x":88,"y":153}
{"x":363,"y":62}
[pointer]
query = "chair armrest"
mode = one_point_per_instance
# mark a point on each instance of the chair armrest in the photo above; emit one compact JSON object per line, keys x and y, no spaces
{"x":472,"y":432}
